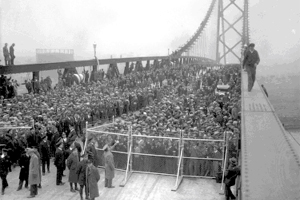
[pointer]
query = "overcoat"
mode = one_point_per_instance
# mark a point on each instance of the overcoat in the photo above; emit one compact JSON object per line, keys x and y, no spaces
{"x":45,"y":150}
{"x":4,"y":166}
{"x":93,"y":177}
{"x":109,"y":165}
{"x":81,"y":172}
{"x":59,"y":161}
{"x":40,"y":163}
{"x":72,"y":163}
{"x":34,"y":175}
{"x":24,"y":165}
{"x":232,"y":173}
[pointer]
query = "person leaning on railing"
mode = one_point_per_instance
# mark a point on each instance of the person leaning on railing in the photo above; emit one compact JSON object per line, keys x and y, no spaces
{"x":230,"y":175}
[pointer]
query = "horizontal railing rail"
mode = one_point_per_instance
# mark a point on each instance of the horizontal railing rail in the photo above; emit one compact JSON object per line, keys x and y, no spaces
{"x":81,"y":63}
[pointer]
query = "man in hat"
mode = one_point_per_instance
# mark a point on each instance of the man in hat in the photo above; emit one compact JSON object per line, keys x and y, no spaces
{"x":45,"y":153}
{"x":12,"y":53}
{"x":232,"y":172}
{"x":34,"y":178}
{"x":109,"y":166}
{"x":72,"y":163}
{"x":92,"y":178}
{"x":251,"y":61}
{"x":4,"y":167}
{"x":81,"y":176}
{"x":6,"y":55}
{"x":54,"y":139}
{"x":59,"y":161}
{"x":24,"y":171}
{"x":31,"y":138}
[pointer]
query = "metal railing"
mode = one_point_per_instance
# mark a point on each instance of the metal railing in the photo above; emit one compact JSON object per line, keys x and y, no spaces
{"x":172,"y":156}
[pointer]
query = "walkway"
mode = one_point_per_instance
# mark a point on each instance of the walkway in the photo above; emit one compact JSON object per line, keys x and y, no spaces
{"x":270,"y":159}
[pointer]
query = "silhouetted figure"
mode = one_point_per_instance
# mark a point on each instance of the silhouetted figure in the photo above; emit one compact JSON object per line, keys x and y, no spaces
{"x":251,"y":61}
{"x":6,"y":54}
{"x":12,"y":54}
{"x":87,"y":76}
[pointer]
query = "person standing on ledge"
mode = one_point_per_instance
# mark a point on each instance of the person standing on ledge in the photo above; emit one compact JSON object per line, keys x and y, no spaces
{"x":12,"y":54}
{"x":6,"y":55}
{"x":109,"y":166}
{"x":251,"y":61}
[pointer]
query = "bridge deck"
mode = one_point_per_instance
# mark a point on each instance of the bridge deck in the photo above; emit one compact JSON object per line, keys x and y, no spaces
{"x":139,"y":187}
{"x":270,"y":160}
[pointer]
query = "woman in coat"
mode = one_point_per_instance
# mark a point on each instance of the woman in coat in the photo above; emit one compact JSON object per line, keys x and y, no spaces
{"x":92,"y":178}
{"x":34,"y":178}
{"x":72,"y":163}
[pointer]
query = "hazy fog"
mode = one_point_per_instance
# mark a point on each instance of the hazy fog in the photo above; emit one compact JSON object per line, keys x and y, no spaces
{"x":140,"y":27}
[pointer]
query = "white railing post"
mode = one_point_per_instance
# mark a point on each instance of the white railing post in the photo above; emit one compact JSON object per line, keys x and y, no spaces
{"x":224,"y":165}
{"x":86,"y":136}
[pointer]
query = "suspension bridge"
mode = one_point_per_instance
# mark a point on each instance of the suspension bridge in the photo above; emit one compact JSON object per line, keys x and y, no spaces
{"x":269,"y":159}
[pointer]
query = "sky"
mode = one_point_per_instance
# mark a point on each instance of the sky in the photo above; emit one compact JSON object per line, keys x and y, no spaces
{"x":141,"y":27}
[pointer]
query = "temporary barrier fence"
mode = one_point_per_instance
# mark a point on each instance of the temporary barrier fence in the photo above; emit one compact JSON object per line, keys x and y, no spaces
{"x":14,"y":127}
{"x":103,"y":137}
{"x":179,"y":176}
{"x":148,"y":154}
{"x":193,"y":162}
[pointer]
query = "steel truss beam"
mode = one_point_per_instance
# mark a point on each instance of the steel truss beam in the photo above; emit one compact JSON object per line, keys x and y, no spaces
{"x":222,"y":55}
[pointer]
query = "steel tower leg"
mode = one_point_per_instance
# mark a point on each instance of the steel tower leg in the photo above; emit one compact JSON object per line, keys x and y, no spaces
{"x":229,"y":51}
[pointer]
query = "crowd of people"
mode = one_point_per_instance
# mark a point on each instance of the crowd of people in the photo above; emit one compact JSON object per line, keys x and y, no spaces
{"x":190,"y":108}
{"x":162,"y":102}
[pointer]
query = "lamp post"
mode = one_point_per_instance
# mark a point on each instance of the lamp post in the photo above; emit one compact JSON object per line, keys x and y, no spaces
{"x":95,"y":46}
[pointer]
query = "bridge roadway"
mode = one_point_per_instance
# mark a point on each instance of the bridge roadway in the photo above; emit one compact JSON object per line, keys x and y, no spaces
{"x":81,"y":63}
{"x":270,"y":159}
{"x":139,"y":187}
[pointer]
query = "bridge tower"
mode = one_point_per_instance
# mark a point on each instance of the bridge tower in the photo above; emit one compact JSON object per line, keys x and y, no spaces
{"x":236,"y":28}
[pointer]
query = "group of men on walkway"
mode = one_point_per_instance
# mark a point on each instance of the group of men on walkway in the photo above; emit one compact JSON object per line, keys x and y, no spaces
{"x":35,"y":157}
{"x":9,"y":55}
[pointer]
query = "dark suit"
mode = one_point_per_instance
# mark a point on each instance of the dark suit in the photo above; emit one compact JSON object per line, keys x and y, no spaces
{"x":81,"y":174}
{"x":31,"y":140}
{"x":6,"y":55}
{"x":53,"y":141}
{"x":12,"y":54}
{"x":59,"y":162}
{"x":232,"y":173}
{"x":4,"y":169}
{"x":45,"y":155}
{"x":24,"y":172}
{"x":251,"y":59}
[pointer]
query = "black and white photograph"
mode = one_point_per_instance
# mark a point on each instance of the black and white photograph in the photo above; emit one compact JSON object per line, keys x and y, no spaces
{"x":150,"y":100}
